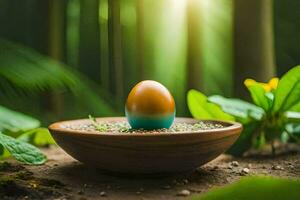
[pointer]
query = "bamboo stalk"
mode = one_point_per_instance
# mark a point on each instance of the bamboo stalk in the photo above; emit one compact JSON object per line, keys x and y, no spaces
{"x":89,"y":42}
{"x":104,"y":44}
{"x":194,"y":55}
{"x":140,"y":37}
{"x":56,"y":45}
{"x":253,"y":42}
{"x":115,"y":49}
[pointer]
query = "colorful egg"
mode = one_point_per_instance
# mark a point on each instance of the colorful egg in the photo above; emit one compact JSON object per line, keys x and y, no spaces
{"x":149,"y":106}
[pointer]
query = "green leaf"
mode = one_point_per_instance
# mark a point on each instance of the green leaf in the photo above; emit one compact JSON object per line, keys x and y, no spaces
{"x":22,"y":151}
{"x":37,"y":137}
{"x":241,"y":110}
{"x":200,"y":108}
{"x":23,"y":68}
{"x":256,"y":188}
{"x":296,"y":107}
{"x":244,"y":142}
{"x":293,"y":116}
{"x":12,"y":121}
{"x":259,"y":96}
{"x":293,"y":132}
{"x":25,"y":71}
{"x":294,"y":129}
{"x":287,"y":94}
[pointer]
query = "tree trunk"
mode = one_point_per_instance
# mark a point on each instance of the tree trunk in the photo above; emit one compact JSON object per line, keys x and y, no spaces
{"x":56,"y":45}
{"x":253,"y":42}
{"x":140,"y":37}
{"x":115,"y":49}
{"x":104,"y":45}
{"x":89,"y":42}
{"x":287,"y":40}
{"x":194,"y":54}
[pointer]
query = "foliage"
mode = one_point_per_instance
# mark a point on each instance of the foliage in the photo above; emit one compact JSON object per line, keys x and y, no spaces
{"x":38,"y":137}
{"x":274,"y":114}
{"x":258,"y":188}
{"x":207,"y":110}
{"x":25,"y":128}
{"x":25,"y":71}
{"x":22,"y":151}
{"x":14,"y":122}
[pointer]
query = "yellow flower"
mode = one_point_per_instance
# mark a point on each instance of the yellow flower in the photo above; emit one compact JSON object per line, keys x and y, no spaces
{"x":271,"y":85}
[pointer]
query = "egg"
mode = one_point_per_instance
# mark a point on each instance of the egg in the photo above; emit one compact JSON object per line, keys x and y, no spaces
{"x":149,"y":106}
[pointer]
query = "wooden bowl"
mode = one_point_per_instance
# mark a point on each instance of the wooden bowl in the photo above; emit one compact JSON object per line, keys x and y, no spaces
{"x":145,"y":153}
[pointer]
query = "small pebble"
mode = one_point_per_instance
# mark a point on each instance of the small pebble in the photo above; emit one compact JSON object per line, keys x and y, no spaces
{"x":245,"y":171}
{"x":166,"y":187}
{"x":80,"y":192}
{"x":177,"y":182}
{"x":214,"y":168}
{"x":196,"y":190}
{"x":185,"y":181}
{"x":277,"y":167}
{"x":291,"y":167}
{"x":103,"y":194}
{"x":184,"y":193}
{"x":289,"y":163}
{"x":235,"y":163}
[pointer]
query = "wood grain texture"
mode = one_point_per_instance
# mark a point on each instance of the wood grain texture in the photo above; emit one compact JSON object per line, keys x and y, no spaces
{"x":140,"y":153}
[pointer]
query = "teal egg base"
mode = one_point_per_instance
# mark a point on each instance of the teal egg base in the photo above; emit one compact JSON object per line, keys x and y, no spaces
{"x":150,"y":123}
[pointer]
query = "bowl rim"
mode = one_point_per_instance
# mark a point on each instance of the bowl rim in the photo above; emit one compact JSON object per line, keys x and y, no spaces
{"x":233,"y":128}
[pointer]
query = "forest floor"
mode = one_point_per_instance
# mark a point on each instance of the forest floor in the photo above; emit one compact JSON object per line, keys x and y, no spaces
{"x":64,"y":178}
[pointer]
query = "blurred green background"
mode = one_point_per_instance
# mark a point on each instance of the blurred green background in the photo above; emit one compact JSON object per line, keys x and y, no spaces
{"x":62,"y":59}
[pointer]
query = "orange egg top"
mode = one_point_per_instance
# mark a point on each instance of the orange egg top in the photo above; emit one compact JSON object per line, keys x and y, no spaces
{"x":150,"y":98}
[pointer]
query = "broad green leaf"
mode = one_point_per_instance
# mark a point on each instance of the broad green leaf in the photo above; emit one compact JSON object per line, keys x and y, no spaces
{"x":256,"y":188}
{"x":12,"y":121}
{"x":24,"y":70}
{"x":38,"y":137}
{"x":293,"y":132}
{"x":22,"y":151}
{"x":293,"y":116}
{"x":293,"y":128}
{"x":259,"y":97}
{"x":287,"y":94}
{"x":241,"y":110}
{"x":296,"y":107}
{"x":244,"y":142}
{"x":200,"y":108}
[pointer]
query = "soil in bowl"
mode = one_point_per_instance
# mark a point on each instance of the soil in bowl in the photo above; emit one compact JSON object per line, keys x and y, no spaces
{"x":124,"y":127}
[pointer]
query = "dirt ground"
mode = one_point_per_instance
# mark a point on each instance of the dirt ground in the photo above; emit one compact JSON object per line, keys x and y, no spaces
{"x":64,"y":178}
